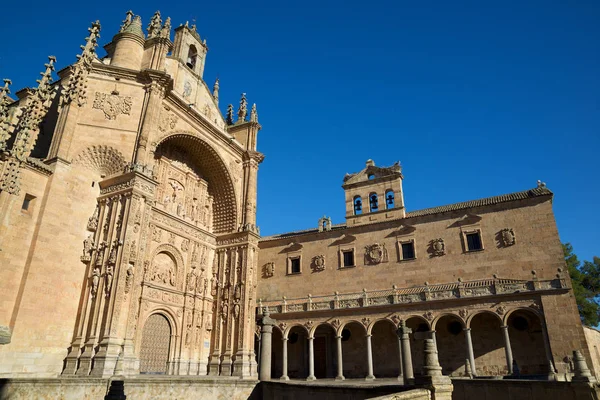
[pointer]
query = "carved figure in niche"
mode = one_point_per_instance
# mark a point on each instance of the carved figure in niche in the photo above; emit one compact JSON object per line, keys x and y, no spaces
{"x":95,"y":281}
{"x":191,"y":279}
{"x":208,"y":323}
{"x":318,"y":263}
{"x":224,"y":311}
{"x":129,"y":278}
{"x":93,"y":221}
{"x":88,"y":247}
{"x":438,"y":248}
{"x":237,"y":295}
{"x":112,"y":257}
{"x":133,"y":251}
{"x":156,"y":234}
{"x":109,"y":278}
{"x":185,"y":244}
{"x":376,"y":253}
{"x":507,"y":236}
{"x":236,"y":310}
{"x":269,"y":270}
{"x":172,"y":238}
{"x":188,"y":334}
{"x":163,"y":269}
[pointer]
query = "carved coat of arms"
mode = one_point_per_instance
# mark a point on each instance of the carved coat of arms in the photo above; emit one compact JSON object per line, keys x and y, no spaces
{"x":318,"y":263}
{"x":112,"y":104}
{"x":438,"y":248}
{"x":376,"y":253}
{"x":508,"y":237}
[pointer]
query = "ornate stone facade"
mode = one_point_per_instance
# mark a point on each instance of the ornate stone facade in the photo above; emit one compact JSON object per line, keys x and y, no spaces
{"x":131,"y":212}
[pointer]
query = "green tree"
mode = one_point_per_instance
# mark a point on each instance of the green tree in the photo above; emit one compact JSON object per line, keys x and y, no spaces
{"x":586,"y":285}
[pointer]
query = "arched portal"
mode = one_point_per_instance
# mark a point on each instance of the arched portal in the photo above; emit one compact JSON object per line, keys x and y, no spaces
{"x":195,"y":183}
{"x":354,"y":350}
{"x":488,"y":345}
{"x":527,"y":342}
{"x":156,"y":343}
{"x":451,"y":345}
{"x":324,"y":349}
{"x":277,"y":344}
{"x":386,"y":351}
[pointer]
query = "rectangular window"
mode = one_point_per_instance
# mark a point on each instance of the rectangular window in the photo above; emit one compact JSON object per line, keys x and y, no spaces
{"x":474,"y":241}
{"x":408,"y":251}
{"x":348,"y":258}
{"x":295,"y":265}
{"x":27,"y":203}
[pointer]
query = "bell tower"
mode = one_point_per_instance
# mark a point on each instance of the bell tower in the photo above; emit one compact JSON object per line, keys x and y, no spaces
{"x":374,"y":194}
{"x":189,"y":49}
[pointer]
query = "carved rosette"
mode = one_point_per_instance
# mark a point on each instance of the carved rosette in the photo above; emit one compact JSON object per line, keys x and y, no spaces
{"x":318,"y":263}
{"x":376,"y":253}
{"x":438,"y":247}
{"x":507,"y":237}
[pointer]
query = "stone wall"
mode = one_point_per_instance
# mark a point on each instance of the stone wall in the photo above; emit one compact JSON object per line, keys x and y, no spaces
{"x":156,"y":388}
{"x":360,"y":391}
{"x":490,"y":389}
{"x":592,"y":337}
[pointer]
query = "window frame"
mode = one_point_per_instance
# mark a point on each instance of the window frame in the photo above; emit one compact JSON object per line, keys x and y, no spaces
{"x":341,"y":257}
{"x":30,"y":199}
{"x":465,"y":233}
{"x":371,"y":210}
{"x":402,"y":242}
{"x":290,"y":257}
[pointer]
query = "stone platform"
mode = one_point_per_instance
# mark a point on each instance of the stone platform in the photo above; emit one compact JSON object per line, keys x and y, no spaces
{"x":142,"y":387}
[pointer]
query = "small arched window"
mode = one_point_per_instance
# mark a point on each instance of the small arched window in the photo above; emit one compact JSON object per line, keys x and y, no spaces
{"x":192,"y":57}
{"x":357,"y":205}
{"x":374,"y":202}
{"x":389,"y":199}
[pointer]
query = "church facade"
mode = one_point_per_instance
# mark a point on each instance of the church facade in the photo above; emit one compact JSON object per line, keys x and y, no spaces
{"x":129,"y":244}
{"x":128,"y":206}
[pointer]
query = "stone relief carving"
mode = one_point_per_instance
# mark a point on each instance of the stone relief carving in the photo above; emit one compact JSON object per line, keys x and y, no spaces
{"x":428,"y":316}
{"x":156,"y":234}
{"x":88,"y":247}
{"x":464,"y":313}
{"x":185,"y":244}
{"x":501,"y":310}
{"x":268,"y":270}
{"x":108,"y":276}
{"x":438,"y":247}
{"x":309,"y":324}
{"x":129,"y":275}
{"x":318,"y":263}
{"x":507,"y":237}
{"x":112,"y":104}
{"x":366,"y":321}
{"x":375,"y":254}
{"x":163,"y":269}
{"x":105,"y":160}
{"x":168,"y":120}
{"x":93,"y":220}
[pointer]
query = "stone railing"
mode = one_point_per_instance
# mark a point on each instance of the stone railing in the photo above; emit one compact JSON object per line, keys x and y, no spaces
{"x":457,"y":290}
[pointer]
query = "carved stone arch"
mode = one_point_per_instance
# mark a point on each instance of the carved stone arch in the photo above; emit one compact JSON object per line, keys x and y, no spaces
{"x":385,"y":320}
{"x":216,"y":172}
{"x":344,"y":323}
{"x":523,"y":308}
{"x":447,"y":314}
{"x":289,"y":329}
{"x":479,"y":312}
{"x":177,"y":256}
{"x":419,"y":317}
{"x":104,"y":160}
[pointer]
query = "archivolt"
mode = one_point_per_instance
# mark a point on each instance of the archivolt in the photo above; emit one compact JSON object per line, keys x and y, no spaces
{"x":214,"y":170}
{"x":105,"y":160}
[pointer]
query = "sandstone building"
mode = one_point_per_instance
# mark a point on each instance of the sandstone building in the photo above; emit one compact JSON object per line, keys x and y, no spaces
{"x":129,"y":245}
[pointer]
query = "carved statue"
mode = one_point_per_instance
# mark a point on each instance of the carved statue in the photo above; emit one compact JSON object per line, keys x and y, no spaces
{"x":129,"y":278}
{"x":93,"y":221}
{"x":88,"y":247}
{"x":188,"y":334}
{"x":191,"y":279}
{"x":95,"y":281}
{"x":109,"y":279}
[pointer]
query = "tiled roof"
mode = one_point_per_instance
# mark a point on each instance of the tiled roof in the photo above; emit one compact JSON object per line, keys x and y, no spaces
{"x":465,"y":205}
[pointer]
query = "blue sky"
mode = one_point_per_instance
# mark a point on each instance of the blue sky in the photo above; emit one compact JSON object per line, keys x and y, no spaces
{"x":475,"y":98}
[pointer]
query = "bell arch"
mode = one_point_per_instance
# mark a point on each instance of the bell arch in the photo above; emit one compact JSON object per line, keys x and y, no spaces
{"x":212,"y":167}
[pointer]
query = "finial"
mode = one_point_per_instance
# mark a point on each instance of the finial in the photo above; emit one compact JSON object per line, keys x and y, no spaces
{"x":127,"y":21}
{"x":216,"y":91}
{"x":166,"y":29}
{"x":4,"y":92}
{"x":229,"y":119}
{"x":89,"y":49}
{"x":253,"y":113}
{"x":243,"y":110}
{"x":135,"y":27}
{"x":541,"y":184}
{"x":43,"y":84}
{"x":154,"y":27}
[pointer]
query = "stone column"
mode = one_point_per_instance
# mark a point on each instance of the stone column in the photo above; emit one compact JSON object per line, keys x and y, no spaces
{"x":400,"y":374}
{"x":582,"y":372}
{"x":284,"y":376}
{"x":407,"y":368}
{"x":440,"y":386}
{"x":470,"y":350}
{"x":311,"y":360}
{"x":370,"y":375}
{"x":340,"y":364}
{"x":507,"y":349}
{"x":265,"y":350}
